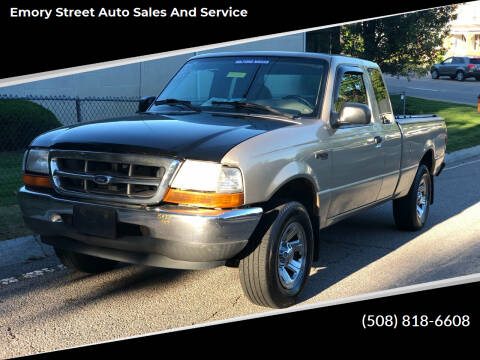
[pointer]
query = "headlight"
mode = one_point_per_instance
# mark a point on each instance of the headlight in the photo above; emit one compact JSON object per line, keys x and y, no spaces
{"x":206,"y":184}
{"x":205,"y":176}
{"x":36,"y":161}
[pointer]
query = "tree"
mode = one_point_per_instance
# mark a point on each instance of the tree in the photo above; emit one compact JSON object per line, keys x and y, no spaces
{"x":401,"y":44}
{"x":325,"y":41}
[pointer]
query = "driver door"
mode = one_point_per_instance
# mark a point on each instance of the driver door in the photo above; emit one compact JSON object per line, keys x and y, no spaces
{"x":446,"y":67}
{"x":357,"y":160}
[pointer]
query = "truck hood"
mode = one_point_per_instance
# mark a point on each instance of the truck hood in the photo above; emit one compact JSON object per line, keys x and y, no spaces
{"x":201,"y":136}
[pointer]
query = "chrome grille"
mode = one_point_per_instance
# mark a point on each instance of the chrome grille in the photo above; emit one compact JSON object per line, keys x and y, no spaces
{"x":128,"y":178}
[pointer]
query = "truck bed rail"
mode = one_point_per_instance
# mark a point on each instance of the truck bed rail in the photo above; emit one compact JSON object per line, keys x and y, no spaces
{"x":405,"y":119}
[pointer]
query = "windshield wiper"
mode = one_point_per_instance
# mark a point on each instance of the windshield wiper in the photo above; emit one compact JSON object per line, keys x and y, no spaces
{"x":177,"y":102}
{"x":242,"y":104}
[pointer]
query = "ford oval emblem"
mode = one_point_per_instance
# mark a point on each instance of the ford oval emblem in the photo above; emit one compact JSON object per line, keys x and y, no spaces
{"x":102,"y":179}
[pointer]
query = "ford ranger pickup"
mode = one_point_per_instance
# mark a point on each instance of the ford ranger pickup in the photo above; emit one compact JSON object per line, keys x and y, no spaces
{"x":240,"y":161}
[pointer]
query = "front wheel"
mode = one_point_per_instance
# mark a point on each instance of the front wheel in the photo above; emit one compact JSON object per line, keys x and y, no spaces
{"x":411,"y":212}
{"x":84,"y":263}
{"x":460,"y":76}
{"x":280,"y":255}
{"x":435,"y":74}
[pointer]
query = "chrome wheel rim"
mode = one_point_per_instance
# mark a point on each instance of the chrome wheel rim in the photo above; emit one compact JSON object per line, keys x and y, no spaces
{"x":422,"y":200}
{"x":459,"y":75}
{"x":435,"y":74}
{"x":291,"y":255}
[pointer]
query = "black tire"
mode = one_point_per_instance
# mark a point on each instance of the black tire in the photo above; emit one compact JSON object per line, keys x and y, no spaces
{"x":405,"y":209}
{"x":260,"y":270}
{"x":435,"y":74}
{"x":460,"y":76}
{"x":84,"y":263}
{"x":477,"y":78}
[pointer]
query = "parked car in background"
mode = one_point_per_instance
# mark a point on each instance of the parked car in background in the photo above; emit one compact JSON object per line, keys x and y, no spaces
{"x":459,"y":68}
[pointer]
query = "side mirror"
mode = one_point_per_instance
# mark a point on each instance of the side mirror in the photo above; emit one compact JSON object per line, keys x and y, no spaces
{"x":352,"y":114}
{"x":145,"y":103}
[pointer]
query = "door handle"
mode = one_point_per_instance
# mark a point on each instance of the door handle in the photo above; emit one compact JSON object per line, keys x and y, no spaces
{"x":378,"y":141}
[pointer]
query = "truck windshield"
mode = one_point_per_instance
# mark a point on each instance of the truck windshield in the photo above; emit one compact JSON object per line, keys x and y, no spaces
{"x":283,"y":84}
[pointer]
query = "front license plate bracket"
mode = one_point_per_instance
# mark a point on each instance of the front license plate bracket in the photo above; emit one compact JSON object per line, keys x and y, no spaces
{"x":95,"y":220}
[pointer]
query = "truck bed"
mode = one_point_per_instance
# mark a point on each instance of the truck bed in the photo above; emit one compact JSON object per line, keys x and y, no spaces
{"x":421,"y":134}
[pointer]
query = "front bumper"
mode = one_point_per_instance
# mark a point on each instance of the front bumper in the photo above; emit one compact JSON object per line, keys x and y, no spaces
{"x":168,"y":238}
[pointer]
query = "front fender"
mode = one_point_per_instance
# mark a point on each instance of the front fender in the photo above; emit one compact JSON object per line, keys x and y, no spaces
{"x":290,"y":172}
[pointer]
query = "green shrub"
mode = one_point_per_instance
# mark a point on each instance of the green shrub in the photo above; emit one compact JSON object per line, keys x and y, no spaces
{"x":21,"y":121}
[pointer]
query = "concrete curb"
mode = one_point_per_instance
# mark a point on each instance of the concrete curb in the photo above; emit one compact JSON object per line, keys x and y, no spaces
{"x":463,"y":154}
{"x":23,"y":250}
{"x":30,"y":248}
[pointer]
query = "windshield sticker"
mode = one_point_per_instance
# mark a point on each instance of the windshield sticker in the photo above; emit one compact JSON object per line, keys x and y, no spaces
{"x":233,"y":74}
{"x":252,"y":61}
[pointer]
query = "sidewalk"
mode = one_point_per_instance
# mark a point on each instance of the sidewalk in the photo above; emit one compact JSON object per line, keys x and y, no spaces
{"x":462,"y":155}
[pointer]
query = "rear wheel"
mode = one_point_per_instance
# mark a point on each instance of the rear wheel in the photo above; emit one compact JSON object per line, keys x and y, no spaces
{"x":279,"y":257}
{"x":84,"y":263}
{"x":411,"y":212}
{"x":460,"y":76}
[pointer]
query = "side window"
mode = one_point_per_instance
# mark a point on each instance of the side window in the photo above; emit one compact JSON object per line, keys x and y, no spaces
{"x":381,"y":94}
{"x":351,"y":89}
{"x":448,"y":61}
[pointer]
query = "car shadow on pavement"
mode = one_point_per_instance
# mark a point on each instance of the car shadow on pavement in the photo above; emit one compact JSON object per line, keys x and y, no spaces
{"x":122,"y":280}
{"x":357,"y":242}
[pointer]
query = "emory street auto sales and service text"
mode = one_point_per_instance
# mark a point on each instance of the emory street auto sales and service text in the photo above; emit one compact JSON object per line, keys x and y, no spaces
{"x":118,"y":12}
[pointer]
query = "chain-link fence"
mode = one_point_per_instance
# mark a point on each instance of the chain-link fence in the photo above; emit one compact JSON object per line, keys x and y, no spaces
{"x":22,"y":118}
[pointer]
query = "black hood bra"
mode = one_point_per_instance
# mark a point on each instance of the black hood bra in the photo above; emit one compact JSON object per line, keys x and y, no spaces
{"x":201,"y":136}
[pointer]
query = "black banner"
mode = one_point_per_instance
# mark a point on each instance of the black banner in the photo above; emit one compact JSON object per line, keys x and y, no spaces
{"x":44,"y":36}
{"x":448,"y":314}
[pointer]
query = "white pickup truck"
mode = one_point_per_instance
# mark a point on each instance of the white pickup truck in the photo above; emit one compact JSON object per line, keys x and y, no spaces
{"x":240,"y":161}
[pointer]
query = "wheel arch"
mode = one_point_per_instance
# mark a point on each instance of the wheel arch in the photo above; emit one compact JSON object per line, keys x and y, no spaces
{"x":428,"y":160}
{"x":301,"y":188}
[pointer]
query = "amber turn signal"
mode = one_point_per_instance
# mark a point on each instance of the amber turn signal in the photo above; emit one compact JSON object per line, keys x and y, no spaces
{"x":37,"y":180}
{"x":199,"y":211}
{"x":204,"y":199}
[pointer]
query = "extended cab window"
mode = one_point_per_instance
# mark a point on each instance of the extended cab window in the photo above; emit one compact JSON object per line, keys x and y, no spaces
{"x":351,"y":89}
{"x":381,"y":94}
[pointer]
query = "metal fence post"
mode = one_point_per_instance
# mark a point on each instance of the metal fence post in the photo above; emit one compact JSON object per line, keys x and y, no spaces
{"x":404,"y":99}
{"x":77,"y":108}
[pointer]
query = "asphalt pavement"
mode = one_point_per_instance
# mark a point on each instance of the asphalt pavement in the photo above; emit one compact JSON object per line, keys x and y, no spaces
{"x":444,"y":89}
{"x":44,"y":306}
